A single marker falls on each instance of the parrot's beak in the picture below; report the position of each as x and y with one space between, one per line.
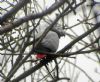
64 33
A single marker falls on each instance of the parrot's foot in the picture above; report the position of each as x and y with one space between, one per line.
47 59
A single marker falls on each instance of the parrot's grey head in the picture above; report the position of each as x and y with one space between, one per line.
59 31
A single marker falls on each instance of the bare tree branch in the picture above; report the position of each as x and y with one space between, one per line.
14 10
67 47
20 21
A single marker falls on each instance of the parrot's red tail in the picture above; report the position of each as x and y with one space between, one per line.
40 56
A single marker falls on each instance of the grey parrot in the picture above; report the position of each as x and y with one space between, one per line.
51 42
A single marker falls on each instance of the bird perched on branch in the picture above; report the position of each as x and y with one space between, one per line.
51 42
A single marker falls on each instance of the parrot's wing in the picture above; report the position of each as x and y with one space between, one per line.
51 41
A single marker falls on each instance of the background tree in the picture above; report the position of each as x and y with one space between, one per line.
22 20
